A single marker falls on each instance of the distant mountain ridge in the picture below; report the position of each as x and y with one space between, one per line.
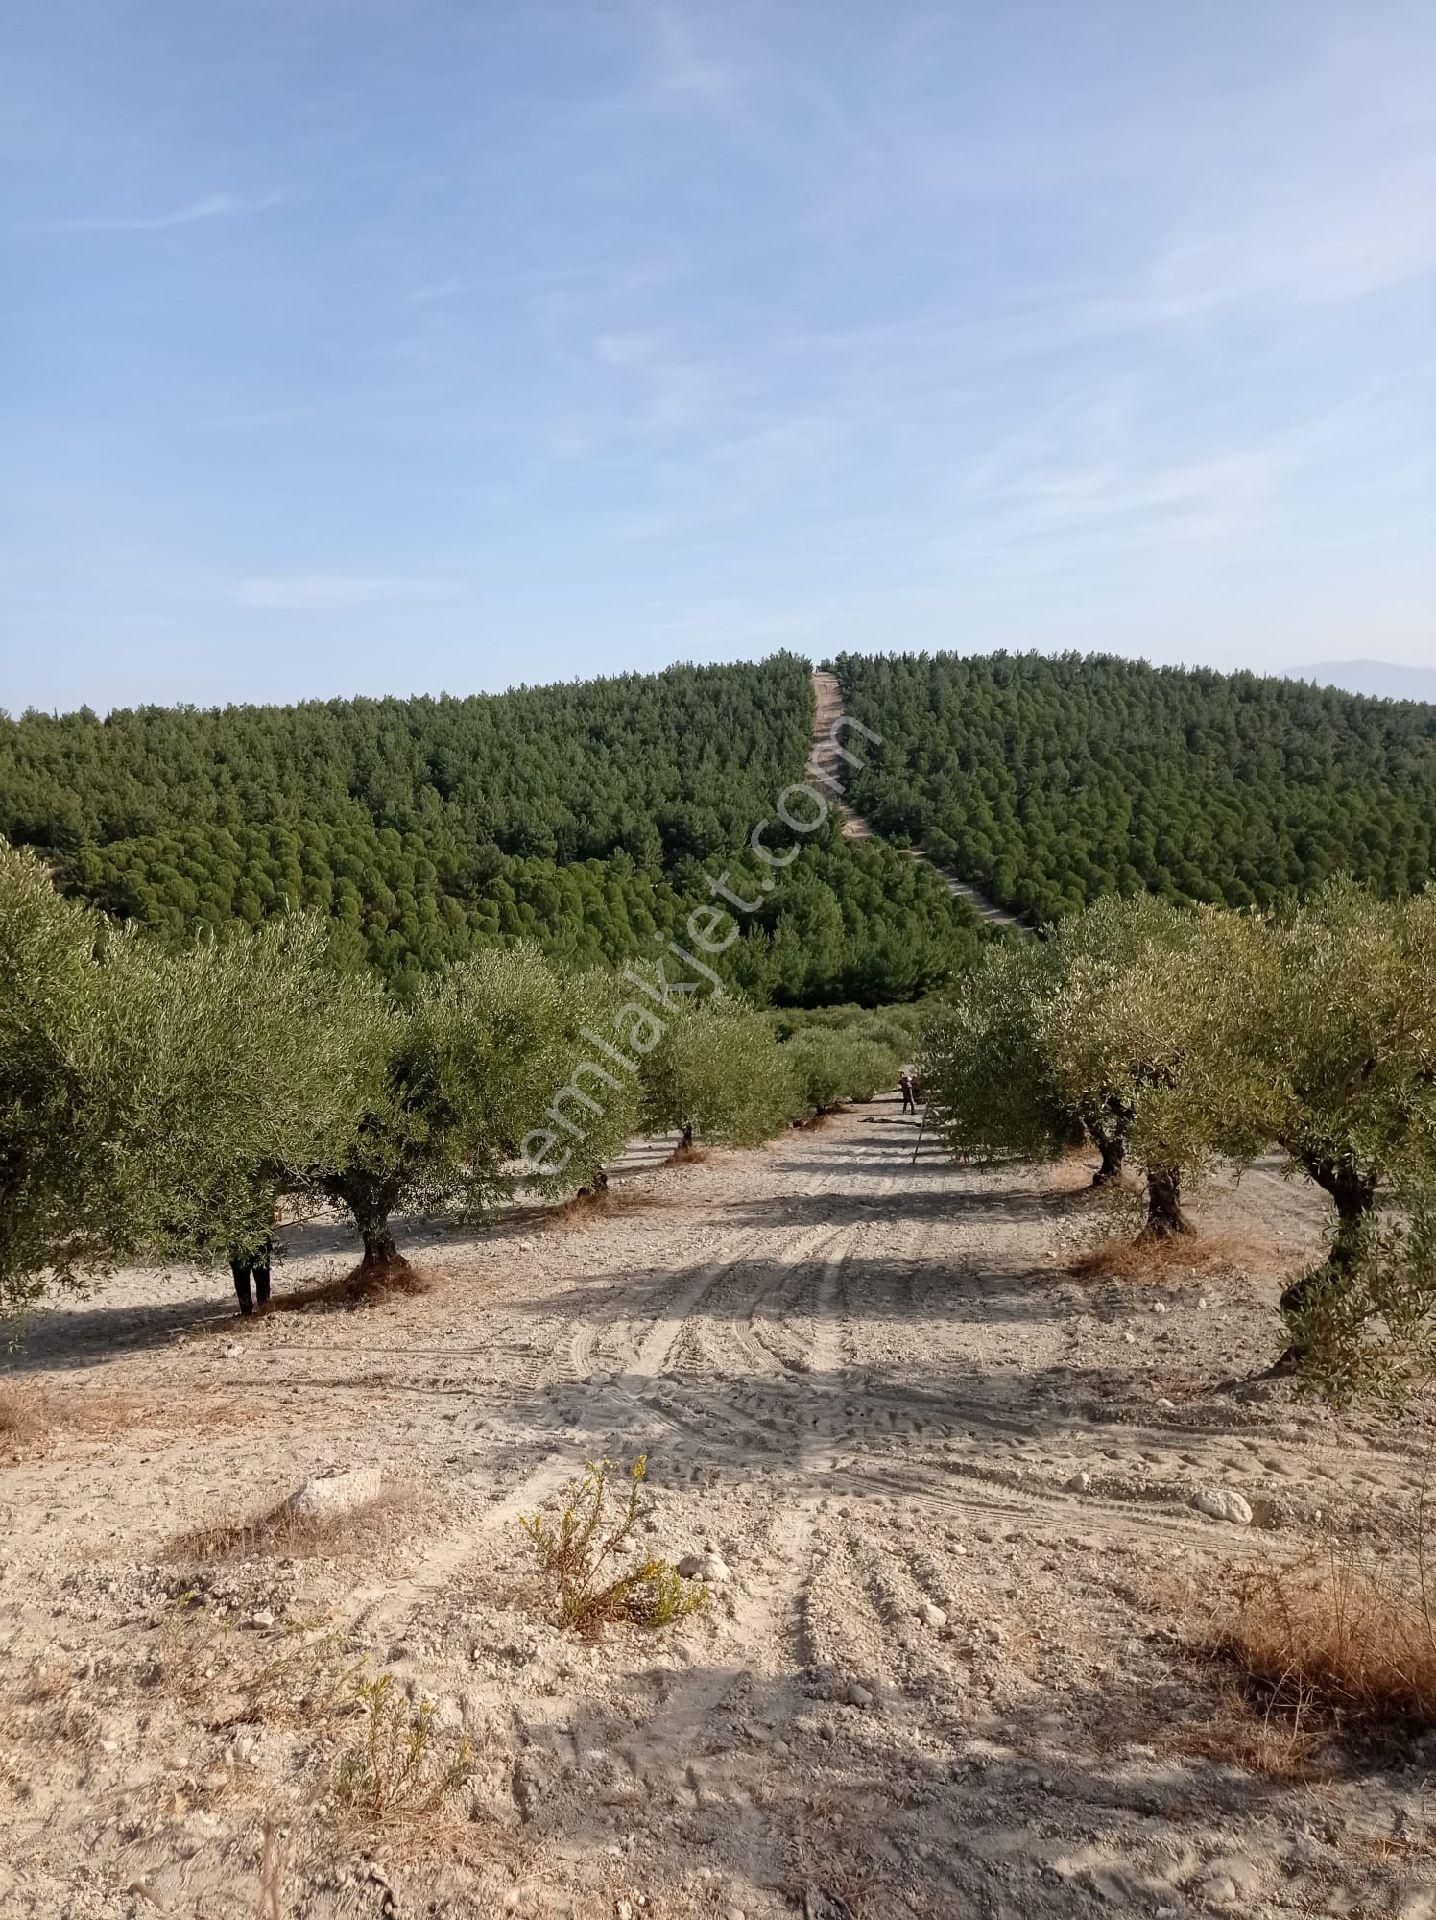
1379 678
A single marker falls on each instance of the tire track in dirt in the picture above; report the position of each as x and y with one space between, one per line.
961 1480
779 1614
604 1403
749 1367
763 1607
381 1611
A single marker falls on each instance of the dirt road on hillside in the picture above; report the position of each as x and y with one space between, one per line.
827 714
952 1486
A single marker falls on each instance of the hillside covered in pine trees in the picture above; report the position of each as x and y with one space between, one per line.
588 817
591 817
1049 782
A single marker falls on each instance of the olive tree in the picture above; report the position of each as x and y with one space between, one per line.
829 1066
489 1078
1329 1050
153 1103
1119 1026
1096 1028
248 1073
990 1094
60 1192
716 1071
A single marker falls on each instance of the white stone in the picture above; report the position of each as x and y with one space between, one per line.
705 1566
337 1492
1222 1503
930 1615
264 1618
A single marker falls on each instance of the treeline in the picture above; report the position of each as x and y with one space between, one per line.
842 1053
591 819
1049 782
586 819
161 1104
1174 1038
662 765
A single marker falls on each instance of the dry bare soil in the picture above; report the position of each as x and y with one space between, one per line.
952 1484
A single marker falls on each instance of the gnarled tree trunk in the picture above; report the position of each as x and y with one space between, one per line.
379 1248
1107 1124
1165 1219
1353 1194
1113 1149
370 1201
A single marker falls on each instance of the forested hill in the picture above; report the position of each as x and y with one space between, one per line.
661 764
581 815
1049 781
590 816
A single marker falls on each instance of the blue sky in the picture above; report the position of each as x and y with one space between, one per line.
396 346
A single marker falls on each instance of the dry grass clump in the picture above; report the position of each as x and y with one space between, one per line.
585 1209
282 1534
1330 1644
1171 1261
43 1707
1070 1176
685 1154
305 1676
361 1287
25 1419
32 1420
1279 1745
832 1872
578 1559
388 1759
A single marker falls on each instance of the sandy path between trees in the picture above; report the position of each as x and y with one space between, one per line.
870 1384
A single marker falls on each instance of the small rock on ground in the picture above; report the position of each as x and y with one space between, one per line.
1223 1503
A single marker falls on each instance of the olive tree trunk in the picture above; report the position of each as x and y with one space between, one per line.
1353 1194
1165 1219
371 1202
1113 1149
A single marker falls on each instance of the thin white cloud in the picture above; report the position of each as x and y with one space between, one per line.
1321 251
336 592
211 206
684 67
676 393
1198 501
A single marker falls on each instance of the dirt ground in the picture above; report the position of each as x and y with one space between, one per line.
951 1483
